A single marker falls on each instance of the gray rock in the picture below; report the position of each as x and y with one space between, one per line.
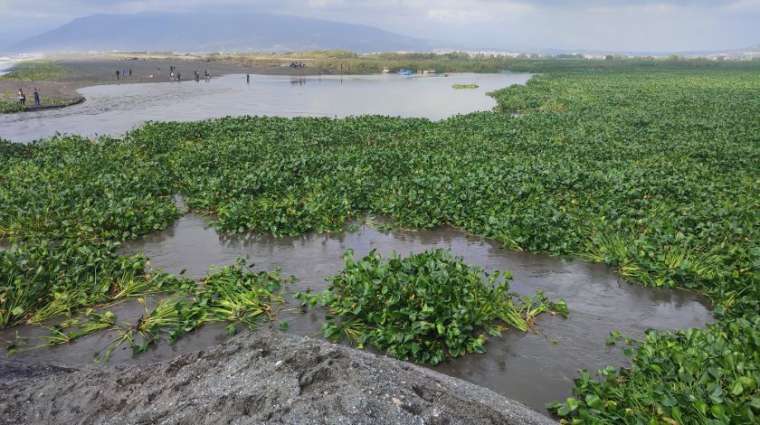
260 378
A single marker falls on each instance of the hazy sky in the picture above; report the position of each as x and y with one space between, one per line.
623 25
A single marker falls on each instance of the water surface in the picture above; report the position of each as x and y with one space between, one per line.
536 367
115 109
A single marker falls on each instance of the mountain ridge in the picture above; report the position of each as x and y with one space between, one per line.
214 31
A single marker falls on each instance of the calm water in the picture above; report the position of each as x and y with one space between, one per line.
535 368
115 109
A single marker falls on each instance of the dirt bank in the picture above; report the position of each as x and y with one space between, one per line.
54 94
266 377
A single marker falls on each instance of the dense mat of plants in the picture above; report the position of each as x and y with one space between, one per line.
426 307
655 170
692 376
64 206
45 279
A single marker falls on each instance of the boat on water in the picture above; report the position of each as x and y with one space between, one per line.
406 72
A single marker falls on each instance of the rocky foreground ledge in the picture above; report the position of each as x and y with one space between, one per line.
260 378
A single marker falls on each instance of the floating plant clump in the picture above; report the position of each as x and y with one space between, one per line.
426 307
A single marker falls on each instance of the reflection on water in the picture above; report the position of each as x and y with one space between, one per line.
535 368
115 109
300 81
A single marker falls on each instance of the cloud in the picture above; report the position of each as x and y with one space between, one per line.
593 24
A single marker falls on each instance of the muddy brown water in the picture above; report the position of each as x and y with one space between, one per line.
535 368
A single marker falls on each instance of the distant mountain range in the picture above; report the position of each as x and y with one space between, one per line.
213 31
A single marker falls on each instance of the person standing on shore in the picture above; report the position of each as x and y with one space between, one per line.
118 75
130 72
248 78
37 97
21 97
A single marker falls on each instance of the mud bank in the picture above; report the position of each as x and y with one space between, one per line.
67 103
265 377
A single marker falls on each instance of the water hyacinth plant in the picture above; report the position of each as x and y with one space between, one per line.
230 294
47 279
695 376
469 86
426 307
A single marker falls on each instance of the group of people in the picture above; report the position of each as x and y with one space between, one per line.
206 75
22 97
123 73
174 75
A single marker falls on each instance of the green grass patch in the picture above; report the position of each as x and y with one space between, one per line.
9 107
39 70
338 61
12 106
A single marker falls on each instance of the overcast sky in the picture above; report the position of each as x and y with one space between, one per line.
618 25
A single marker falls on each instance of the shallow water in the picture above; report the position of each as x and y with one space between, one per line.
535 368
5 64
115 109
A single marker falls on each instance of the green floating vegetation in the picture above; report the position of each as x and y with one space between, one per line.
46 279
72 329
426 307
649 166
695 376
465 86
231 294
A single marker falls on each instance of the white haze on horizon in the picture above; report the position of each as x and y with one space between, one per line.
603 25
